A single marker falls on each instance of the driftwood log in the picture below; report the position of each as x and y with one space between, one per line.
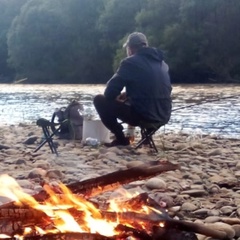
94 186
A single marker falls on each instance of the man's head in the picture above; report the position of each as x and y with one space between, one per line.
135 41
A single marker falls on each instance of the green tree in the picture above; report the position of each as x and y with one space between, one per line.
155 17
183 40
116 21
57 41
221 49
8 10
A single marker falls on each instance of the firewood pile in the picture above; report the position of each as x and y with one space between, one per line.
72 212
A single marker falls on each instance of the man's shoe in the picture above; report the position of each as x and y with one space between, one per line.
117 142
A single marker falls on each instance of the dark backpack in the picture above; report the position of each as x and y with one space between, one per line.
71 121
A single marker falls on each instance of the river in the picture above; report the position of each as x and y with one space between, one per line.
197 109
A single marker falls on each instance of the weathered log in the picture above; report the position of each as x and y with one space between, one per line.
155 219
197 228
92 187
95 186
181 225
172 234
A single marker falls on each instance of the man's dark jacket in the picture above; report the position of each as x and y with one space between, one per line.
147 83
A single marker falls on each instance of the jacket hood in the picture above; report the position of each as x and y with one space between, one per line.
152 53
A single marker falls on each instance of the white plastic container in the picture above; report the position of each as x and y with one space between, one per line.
94 128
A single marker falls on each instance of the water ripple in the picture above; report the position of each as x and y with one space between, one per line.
27 103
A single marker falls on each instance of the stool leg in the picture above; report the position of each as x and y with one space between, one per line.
147 137
144 138
151 142
49 140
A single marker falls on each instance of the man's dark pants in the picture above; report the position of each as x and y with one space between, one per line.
111 110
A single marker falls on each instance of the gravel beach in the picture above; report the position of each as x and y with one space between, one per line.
206 188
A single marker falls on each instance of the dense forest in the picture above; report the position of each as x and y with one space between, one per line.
80 41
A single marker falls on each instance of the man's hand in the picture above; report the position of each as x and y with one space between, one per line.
122 97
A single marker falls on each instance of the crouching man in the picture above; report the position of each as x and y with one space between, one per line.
144 75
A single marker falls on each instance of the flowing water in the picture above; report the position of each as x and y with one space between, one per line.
197 109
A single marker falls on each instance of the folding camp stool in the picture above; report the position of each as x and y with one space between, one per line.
147 132
46 125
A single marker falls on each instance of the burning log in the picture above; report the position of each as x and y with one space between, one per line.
66 236
168 223
129 231
94 186
17 213
16 225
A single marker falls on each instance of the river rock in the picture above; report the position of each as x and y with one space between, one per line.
236 228
187 206
31 140
37 173
156 183
230 233
3 147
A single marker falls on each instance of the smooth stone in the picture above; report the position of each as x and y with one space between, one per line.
237 174
238 212
212 219
226 210
214 188
134 164
2 146
201 212
53 173
156 183
197 187
42 164
236 228
220 226
37 173
230 220
21 161
30 140
187 206
238 165
221 203
213 212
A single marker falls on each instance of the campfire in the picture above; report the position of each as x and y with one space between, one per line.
73 211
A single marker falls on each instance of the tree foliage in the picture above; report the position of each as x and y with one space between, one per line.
8 10
80 41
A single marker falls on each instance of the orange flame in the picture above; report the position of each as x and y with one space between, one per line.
58 208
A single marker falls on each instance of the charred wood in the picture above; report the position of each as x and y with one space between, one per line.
66 236
20 213
129 231
94 186
15 226
168 223
172 234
